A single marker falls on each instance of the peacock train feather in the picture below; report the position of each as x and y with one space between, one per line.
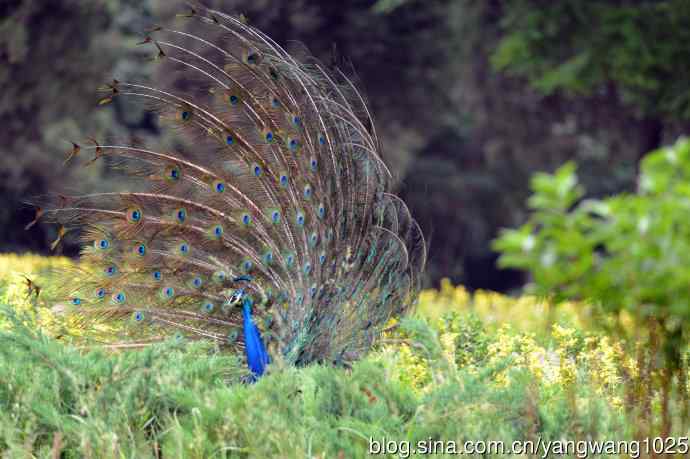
276 230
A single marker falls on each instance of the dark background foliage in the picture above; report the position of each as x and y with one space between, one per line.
470 99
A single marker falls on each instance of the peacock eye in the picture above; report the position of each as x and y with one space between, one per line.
233 99
119 297
134 214
180 215
257 170
275 216
246 219
296 120
138 316
173 173
157 275
269 136
208 306
111 270
100 292
229 140
168 292
218 230
184 248
247 265
219 186
300 219
322 139
141 249
268 257
283 181
322 258
102 244
219 277
76 301
307 268
197 282
307 191
293 144
313 164
186 115
321 211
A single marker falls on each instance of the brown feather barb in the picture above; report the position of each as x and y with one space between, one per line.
280 191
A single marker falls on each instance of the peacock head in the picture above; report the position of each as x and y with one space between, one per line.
239 296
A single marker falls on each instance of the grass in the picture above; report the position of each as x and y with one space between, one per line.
455 371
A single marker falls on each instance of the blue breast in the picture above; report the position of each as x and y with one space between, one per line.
257 357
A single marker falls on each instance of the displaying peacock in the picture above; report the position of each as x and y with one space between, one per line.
275 233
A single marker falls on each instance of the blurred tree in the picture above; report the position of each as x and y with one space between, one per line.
53 56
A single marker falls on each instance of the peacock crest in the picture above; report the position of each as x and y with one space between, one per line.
276 230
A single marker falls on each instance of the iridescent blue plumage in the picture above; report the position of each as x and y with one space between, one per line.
255 350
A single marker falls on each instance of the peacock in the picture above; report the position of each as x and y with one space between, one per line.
275 233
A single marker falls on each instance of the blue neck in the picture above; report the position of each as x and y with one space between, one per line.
257 357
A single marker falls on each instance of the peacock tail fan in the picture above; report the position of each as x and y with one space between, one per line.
283 196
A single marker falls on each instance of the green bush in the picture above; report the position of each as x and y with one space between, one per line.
625 255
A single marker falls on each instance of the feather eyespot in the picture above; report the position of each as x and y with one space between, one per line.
246 219
322 258
275 216
312 291
140 249
313 239
180 215
157 275
257 170
269 137
229 140
233 99
307 268
299 219
247 266
119 297
284 181
313 164
218 186
307 191
321 210
185 115
289 260
134 214
197 282
184 248
208 307
102 244
232 336
293 144
219 277
322 139
268 257
252 57
110 270
217 231
167 292
173 173
275 103
76 301
138 316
